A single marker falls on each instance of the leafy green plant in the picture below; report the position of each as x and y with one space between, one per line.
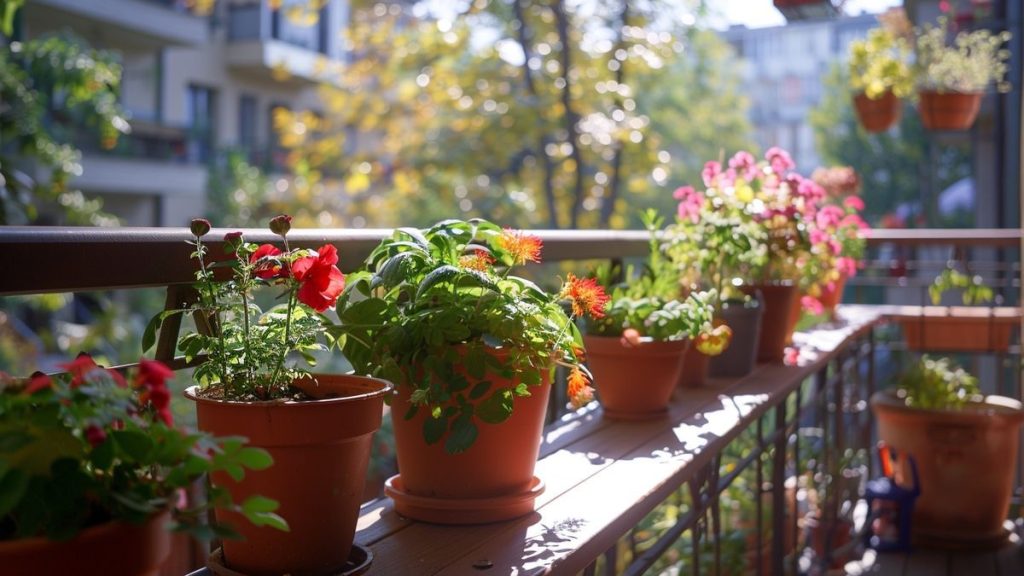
973 61
939 384
880 63
90 446
248 350
975 291
439 311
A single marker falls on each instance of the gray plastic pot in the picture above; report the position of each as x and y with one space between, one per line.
745 320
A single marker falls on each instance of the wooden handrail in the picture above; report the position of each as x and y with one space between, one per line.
69 259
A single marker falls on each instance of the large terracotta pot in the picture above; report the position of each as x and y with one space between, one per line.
696 368
948 110
966 461
880 114
777 323
634 382
745 320
491 481
321 449
110 549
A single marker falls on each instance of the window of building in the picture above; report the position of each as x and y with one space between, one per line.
247 122
201 113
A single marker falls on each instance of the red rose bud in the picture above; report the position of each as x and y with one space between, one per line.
232 240
280 225
199 227
95 435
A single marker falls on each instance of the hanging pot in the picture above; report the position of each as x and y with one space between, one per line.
879 114
948 110
634 382
777 323
321 449
491 481
110 549
745 320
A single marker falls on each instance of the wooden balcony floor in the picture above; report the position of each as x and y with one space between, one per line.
1006 561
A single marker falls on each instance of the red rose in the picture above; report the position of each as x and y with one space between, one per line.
78 368
152 377
280 225
95 435
320 281
269 268
38 381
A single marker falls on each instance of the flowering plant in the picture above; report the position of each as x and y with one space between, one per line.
838 231
248 350
91 446
653 306
880 63
973 60
437 307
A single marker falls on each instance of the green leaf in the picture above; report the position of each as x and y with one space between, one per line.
254 458
268 519
529 377
12 487
434 428
415 235
476 365
464 433
255 504
149 334
442 274
137 445
479 390
102 456
393 271
497 407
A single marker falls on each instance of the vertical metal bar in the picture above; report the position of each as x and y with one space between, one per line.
795 531
778 488
695 530
611 560
871 391
716 517
758 493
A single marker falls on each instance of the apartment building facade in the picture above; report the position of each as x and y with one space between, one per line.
192 86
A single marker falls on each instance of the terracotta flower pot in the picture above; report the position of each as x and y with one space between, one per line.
321 449
777 323
880 114
948 110
110 549
956 334
739 358
966 461
696 368
634 382
831 297
491 481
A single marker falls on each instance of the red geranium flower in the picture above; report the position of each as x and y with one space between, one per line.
266 266
320 281
152 377
78 368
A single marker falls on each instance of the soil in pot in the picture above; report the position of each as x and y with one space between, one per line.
776 324
948 110
880 114
110 549
321 450
966 461
634 382
738 359
491 481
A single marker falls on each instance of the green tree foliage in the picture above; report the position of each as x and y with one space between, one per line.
529 112
50 88
905 165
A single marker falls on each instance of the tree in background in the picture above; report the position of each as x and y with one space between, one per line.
529 112
898 168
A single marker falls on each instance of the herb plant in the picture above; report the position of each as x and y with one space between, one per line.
250 353
90 446
439 311
933 384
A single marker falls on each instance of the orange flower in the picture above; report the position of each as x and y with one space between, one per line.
523 247
479 260
586 295
580 392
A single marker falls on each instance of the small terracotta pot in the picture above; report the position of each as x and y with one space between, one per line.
966 461
739 358
110 549
777 323
831 297
321 449
880 114
493 480
696 368
948 110
634 382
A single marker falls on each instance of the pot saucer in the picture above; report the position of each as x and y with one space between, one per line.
359 560
634 416
462 510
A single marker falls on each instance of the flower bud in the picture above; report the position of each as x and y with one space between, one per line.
232 240
200 226
280 225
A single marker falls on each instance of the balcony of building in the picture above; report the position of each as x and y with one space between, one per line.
119 24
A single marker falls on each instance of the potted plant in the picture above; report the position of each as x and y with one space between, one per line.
952 77
636 351
880 75
709 245
317 427
839 236
472 348
92 468
964 445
